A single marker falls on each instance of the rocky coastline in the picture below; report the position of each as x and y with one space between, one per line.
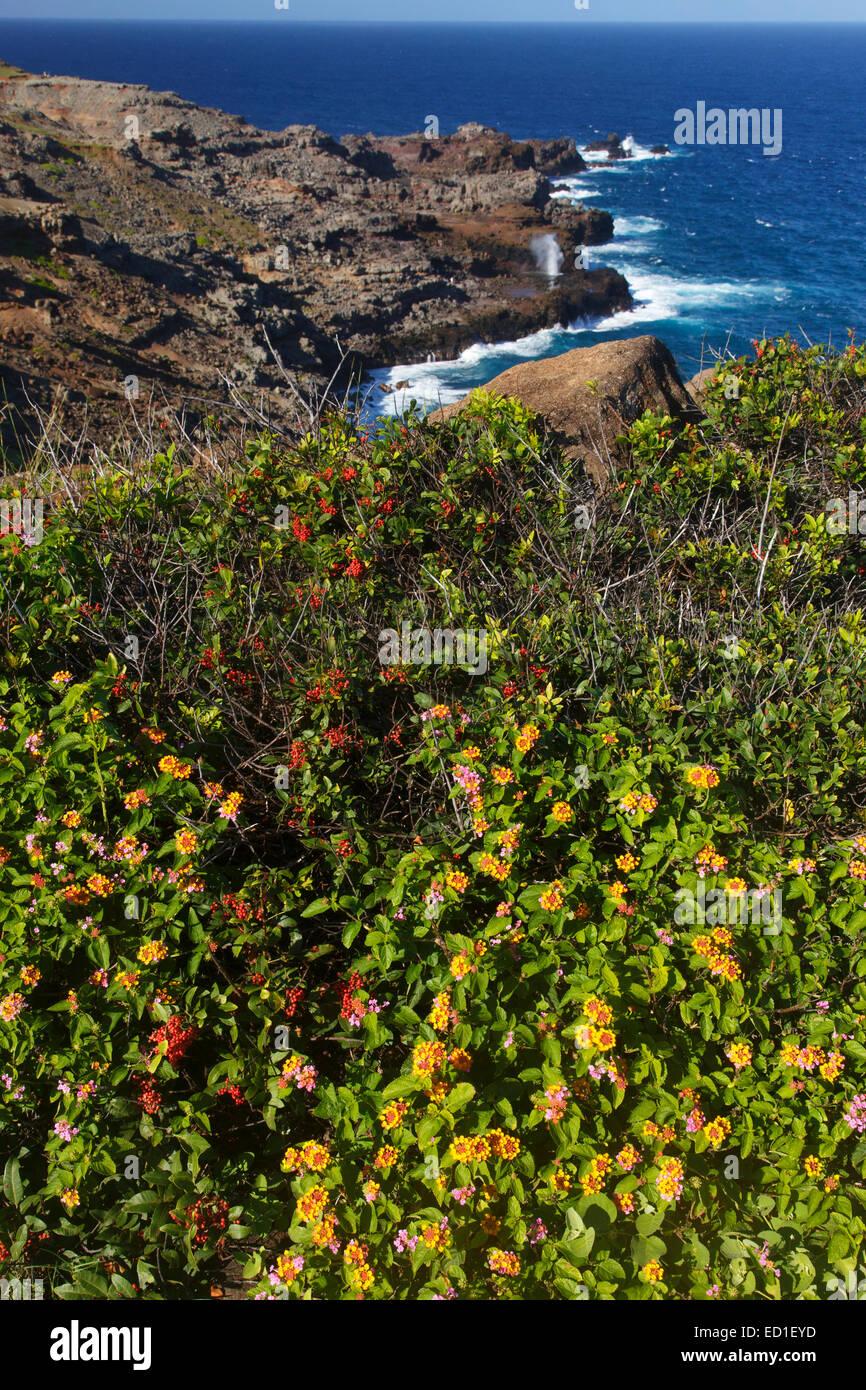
150 248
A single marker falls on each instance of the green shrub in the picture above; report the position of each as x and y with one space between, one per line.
395 980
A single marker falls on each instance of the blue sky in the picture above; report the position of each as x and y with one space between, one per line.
599 11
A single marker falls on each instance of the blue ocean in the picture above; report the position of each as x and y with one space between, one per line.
720 243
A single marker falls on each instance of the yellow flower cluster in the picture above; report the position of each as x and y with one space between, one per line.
99 884
457 880
708 858
393 1113
740 1054
173 765
593 1180
229 807
311 1155
703 776
71 819
504 1262
813 1166
386 1157
186 841
133 800
127 978
626 862
652 1273
719 963
311 1204
628 1157
152 951
471 1148
494 868
809 1057
528 735
359 1273
502 775
717 1131
427 1058
440 1013
633 802
552 898
562 812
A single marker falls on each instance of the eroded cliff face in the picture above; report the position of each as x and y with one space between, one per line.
144 237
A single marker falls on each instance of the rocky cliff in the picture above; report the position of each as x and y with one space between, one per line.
148 245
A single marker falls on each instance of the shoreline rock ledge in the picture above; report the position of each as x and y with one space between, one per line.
589 395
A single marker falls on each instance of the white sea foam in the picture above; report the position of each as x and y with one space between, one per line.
637 152
658 299
636 226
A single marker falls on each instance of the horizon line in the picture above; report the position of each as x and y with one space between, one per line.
457 23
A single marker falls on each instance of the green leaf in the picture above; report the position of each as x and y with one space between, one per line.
315 909
459 1096
403 1086
13 1188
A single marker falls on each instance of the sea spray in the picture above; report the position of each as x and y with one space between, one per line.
547 254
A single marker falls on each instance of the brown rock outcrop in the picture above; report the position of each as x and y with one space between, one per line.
590 395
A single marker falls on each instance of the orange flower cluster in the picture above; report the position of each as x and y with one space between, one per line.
504 1262
131 801
311 1204
359 1273
393 1113
703 776
708 858
528 735
718 961
456 880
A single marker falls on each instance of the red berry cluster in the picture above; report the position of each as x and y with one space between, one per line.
235 1092
176 1036
206 1215
149 1097
297 754
347 991
293 999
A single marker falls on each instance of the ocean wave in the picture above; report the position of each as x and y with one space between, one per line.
660 298
638 152
636 226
